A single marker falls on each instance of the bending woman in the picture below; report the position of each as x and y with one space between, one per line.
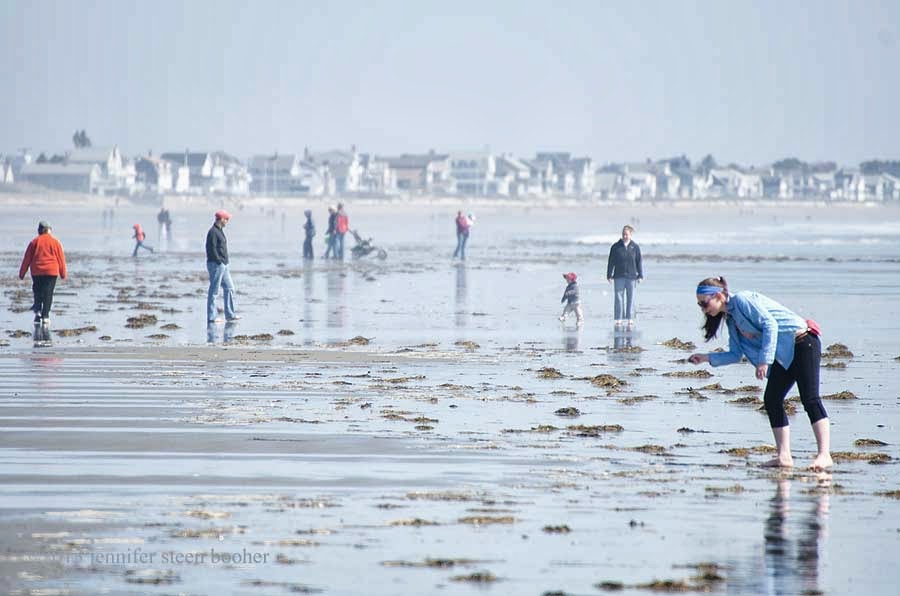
782 346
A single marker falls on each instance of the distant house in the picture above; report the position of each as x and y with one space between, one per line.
343 169
572 176
60 176
639 181
377 177
154 174
192 170
542 175
276 174
421 173
109 159
515 176
607 183
473 172
229 174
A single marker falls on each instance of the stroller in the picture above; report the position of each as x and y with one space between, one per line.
364 247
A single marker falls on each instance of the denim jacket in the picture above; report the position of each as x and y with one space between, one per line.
760 329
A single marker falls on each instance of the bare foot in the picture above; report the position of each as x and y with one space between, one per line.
779 462
822 461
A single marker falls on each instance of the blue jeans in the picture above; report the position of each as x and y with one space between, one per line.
219 276
624 300
339 246
461 239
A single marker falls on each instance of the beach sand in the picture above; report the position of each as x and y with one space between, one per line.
418 426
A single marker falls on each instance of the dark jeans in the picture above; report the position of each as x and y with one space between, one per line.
804 371
308 248
140 244
43 286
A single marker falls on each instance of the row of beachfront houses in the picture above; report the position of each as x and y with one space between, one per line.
468 174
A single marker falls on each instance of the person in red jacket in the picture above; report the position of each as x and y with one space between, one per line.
139 237
47 261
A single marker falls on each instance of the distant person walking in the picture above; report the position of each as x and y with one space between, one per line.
330 234
309 231
341 226
47 261
782 346
139 237
463 223
624 269
571 299
217 266
164 219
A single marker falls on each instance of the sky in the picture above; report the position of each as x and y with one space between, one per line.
746 81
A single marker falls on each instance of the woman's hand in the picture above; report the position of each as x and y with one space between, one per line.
698 358
761 370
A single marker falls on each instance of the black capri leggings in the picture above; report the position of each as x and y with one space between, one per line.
804 371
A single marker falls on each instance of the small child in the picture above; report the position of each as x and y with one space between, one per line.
139 237
572 300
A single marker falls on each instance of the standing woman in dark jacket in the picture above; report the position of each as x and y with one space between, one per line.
625 270
309 230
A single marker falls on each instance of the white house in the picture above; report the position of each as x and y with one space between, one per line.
516 176
6 173
61 176
343 169
473 172
154 174
639 181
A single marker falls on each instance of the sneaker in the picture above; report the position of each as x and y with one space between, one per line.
234 318
217 320
45 322
37 318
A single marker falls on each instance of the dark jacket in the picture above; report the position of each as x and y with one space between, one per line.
625 262
216 246
571 293
332 222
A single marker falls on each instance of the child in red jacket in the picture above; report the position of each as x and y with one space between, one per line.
139 237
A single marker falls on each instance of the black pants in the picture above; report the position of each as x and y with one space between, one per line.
804 371
43 286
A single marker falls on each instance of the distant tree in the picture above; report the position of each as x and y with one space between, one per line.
708 163
790 164
80 139
42 158
875 167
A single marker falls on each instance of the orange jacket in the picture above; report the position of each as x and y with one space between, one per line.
45 256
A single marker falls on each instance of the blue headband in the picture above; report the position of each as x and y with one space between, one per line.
704 290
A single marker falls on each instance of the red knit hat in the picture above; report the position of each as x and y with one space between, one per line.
222 214
570 277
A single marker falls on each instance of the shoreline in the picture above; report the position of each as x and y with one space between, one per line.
64 200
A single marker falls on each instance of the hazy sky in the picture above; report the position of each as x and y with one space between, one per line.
746 81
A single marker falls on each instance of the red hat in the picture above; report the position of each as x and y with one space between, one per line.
222 214
570 277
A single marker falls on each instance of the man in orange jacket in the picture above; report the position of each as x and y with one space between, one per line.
47 261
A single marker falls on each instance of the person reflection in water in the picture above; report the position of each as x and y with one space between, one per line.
792 563
461 296
212 332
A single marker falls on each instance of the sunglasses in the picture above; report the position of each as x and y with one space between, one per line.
703 303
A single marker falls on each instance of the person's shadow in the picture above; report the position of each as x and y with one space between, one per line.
792 549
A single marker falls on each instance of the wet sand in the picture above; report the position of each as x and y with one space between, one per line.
416 475
418 426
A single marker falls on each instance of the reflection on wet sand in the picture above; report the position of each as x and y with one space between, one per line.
461 296
570 339
307 298
792 550
212 332
336 299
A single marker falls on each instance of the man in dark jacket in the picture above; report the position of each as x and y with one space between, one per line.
331 233
217 266
625 270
